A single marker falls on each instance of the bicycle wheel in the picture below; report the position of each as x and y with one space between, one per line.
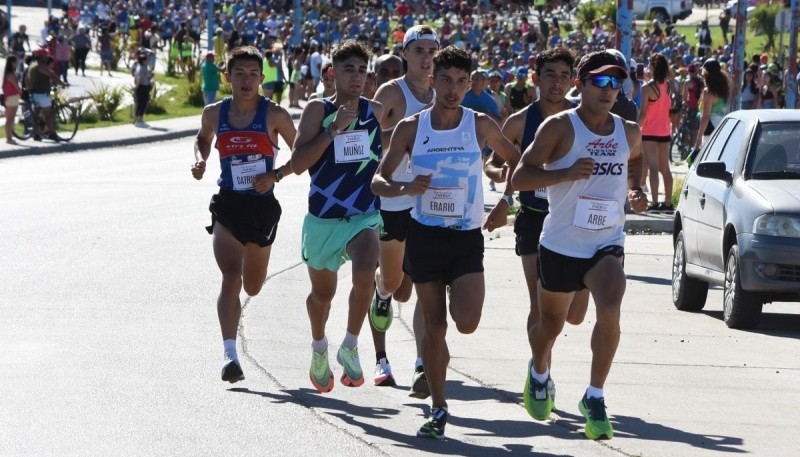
23 124
66 120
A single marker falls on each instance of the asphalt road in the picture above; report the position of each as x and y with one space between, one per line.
110 343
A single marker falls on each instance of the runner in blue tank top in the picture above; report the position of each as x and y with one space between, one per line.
245 213
444 246
589 160
339 143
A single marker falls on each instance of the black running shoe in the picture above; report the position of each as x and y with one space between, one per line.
419 384
232 372
434 426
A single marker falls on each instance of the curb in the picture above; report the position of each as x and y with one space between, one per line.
109 143
646 223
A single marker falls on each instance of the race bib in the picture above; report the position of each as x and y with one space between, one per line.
351 146
595 213
444 202
541 193
243 173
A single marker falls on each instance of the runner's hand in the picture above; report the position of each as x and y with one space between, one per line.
418 186
198 169
581 169
263 183
637 199
497 218
346 115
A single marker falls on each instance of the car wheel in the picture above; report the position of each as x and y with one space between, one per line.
688 294
741 309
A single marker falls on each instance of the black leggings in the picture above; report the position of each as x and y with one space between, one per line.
142 97
80 60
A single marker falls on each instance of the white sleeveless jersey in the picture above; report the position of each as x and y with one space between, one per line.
589 214
455 196
403 171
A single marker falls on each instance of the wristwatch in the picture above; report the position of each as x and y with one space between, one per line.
278 175
508 199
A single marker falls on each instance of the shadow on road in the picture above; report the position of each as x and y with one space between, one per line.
457 390
650 280
311 399
634 427
772 324
448 446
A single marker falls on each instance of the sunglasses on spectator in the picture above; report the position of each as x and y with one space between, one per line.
603 81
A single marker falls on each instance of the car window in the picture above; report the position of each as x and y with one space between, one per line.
714 150
733 146
776 151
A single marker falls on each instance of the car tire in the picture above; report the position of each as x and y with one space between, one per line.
741 309
688 294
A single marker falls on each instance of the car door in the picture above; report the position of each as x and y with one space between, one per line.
714 196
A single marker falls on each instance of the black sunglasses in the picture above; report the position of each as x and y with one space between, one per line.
603 81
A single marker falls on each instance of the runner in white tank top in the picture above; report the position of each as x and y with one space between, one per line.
445 244
582 156
402 97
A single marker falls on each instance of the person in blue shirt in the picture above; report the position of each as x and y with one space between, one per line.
477 99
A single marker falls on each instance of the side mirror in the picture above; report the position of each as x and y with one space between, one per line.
714 170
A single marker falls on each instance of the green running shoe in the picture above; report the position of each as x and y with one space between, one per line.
434 426
348 358
597 423
320 373
380 313
538 397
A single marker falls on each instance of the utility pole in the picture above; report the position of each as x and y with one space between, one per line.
297 23
211 27
794 22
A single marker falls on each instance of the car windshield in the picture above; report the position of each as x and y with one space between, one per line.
776 153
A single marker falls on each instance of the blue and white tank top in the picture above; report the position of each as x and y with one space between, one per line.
341 178
403 171
455 196
533 199
589 214
244 153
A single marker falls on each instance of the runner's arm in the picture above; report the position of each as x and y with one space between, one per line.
310 142
284 127
389 96
636 197
202 142
400 144
550 143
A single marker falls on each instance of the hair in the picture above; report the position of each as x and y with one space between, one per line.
553 55
385 58
451 57
659 67
11 65
752 84
351 48
243 54
717 82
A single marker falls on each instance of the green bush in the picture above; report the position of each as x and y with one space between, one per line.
158 100
107 101
89 116
587 13
194 93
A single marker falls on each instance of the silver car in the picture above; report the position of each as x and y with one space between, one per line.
737 224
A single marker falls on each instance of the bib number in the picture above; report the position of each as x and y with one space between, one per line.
243 173
541 193
595 213
444 202
352 146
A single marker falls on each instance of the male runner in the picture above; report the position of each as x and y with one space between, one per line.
445 244
585 153
401 97
339 143
553 76
245 213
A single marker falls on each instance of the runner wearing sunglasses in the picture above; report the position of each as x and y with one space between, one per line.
583 156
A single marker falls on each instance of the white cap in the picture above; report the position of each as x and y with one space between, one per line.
414 34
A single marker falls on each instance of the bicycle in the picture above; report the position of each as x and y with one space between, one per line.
65 117
682 141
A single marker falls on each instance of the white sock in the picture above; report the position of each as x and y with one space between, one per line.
320 346
230 349
381 295
350 341
594 392
540 378
418 363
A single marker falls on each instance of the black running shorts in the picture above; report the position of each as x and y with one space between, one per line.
395 224
561 273
251 218
528 229
442 254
